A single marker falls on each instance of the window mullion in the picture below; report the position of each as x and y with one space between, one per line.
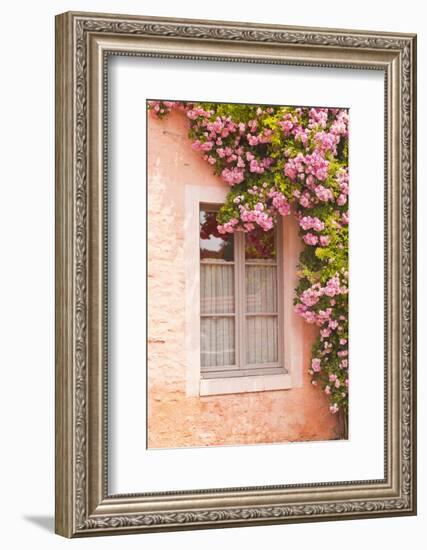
237 343
280 293
241 297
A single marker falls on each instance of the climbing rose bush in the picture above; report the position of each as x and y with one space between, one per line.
278 160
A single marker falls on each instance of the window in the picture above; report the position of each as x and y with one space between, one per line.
241 318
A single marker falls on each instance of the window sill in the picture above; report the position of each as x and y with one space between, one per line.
221 386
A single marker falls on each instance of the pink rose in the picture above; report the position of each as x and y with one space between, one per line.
324 240
310 239
342 199
315 365
333 324
344 364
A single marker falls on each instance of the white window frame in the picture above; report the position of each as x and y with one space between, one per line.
241 367
290 355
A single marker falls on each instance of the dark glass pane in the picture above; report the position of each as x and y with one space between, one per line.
213 245
260 245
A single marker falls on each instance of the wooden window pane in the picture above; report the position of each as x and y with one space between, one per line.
217 341
239 300
216 288
212 244
261 339
261 289
260 245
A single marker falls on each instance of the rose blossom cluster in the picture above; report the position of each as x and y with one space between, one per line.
248 220
312 295
279 202
311 167
265 205
259 214
292 126
232 175
232 146
308 223
323 306
300 166
342 180
163 108
310 170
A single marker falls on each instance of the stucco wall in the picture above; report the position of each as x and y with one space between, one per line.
175 420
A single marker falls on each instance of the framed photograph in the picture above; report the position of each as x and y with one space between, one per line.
235 274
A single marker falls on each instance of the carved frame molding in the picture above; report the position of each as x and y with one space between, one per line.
83 44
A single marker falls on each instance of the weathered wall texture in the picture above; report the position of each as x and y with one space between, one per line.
174 420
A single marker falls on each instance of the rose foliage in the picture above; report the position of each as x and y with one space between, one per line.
278 160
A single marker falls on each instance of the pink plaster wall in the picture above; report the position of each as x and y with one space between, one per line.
175 420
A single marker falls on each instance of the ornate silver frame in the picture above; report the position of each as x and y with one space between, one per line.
83 43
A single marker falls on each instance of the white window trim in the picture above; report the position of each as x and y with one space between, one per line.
293 349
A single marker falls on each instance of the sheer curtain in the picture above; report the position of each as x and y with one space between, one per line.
261 314
218 318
